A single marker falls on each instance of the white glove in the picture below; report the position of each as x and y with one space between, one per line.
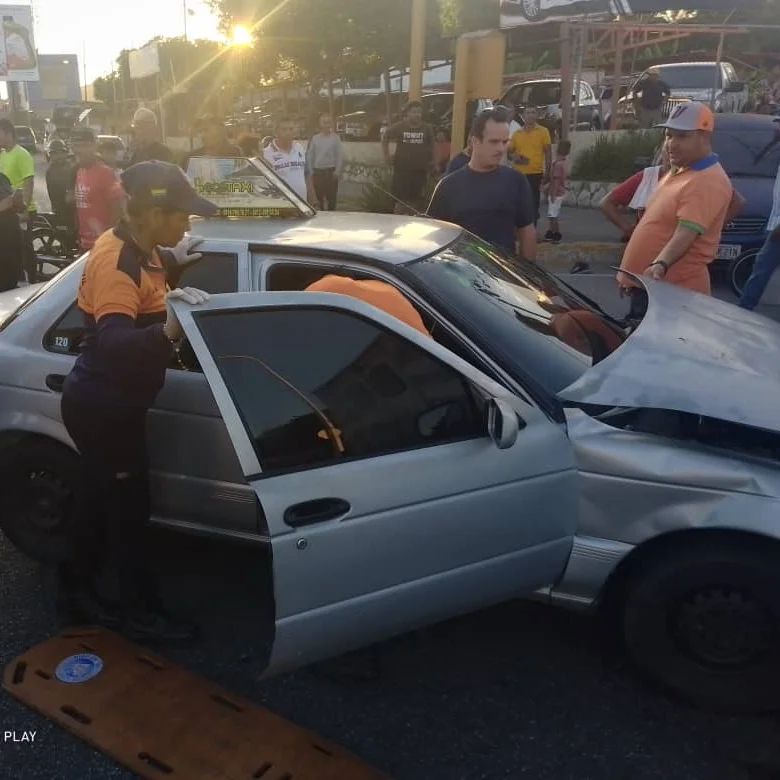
172 328
184 252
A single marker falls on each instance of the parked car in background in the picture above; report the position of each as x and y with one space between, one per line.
749 149
25 137
707 82
438 107
367 121
545 96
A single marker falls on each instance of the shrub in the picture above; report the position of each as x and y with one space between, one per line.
613 158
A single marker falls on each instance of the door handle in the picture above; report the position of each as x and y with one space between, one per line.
55 382
317 511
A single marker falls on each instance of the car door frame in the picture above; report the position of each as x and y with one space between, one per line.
313 632
262 260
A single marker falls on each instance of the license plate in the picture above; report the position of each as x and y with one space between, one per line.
728 252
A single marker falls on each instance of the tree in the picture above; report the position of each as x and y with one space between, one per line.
462 16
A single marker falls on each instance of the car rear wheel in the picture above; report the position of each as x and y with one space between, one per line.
704 622
38 479
740 270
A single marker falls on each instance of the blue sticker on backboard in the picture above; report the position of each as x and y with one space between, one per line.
79 668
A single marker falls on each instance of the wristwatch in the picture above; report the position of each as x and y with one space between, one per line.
661 262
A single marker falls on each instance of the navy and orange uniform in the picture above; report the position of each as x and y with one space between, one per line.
124 353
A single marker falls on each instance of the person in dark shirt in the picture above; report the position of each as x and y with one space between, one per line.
413 159
146 144
650 97
485 197
60 184
131 331
460 160
215 140
10 235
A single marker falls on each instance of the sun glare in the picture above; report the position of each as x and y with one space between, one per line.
241 36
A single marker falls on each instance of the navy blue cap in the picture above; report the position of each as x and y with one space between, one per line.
163 184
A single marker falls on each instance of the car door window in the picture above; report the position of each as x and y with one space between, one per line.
298 276
216 272
315 386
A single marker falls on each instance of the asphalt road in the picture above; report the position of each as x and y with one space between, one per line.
520 690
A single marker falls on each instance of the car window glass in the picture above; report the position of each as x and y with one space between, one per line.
214 273
298 276
752 149
318 386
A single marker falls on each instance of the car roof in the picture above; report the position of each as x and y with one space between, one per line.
383 238
682 64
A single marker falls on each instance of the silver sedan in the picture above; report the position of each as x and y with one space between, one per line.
527 446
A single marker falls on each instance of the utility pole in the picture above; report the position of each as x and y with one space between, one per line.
184 8
84 66
417 48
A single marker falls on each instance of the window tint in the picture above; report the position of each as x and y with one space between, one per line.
215 273
65 336
315 386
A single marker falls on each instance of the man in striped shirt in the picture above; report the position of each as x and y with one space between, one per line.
768 258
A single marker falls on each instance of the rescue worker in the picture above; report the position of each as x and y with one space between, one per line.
131 331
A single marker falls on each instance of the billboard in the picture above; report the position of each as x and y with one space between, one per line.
144 62
18 57
518 12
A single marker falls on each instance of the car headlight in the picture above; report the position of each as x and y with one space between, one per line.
718 105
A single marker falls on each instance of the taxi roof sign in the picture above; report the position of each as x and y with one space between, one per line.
244 188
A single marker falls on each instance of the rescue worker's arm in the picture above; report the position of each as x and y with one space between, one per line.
176 260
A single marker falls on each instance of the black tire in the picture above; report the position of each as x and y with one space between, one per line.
38 478
703 621
740 270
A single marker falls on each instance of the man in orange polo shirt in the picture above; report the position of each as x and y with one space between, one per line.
676 239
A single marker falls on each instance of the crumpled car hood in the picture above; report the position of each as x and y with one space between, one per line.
692 353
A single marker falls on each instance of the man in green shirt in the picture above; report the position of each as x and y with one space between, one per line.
18 165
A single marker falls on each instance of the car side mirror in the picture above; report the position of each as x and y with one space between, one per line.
503 423
734 86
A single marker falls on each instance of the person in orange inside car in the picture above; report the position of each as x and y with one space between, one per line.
379 294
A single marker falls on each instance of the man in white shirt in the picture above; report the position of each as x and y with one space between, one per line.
286 156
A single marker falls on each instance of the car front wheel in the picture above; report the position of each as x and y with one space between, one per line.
38 479
703 621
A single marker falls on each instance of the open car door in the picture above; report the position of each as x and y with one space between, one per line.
399 485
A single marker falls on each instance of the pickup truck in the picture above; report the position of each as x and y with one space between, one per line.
703 81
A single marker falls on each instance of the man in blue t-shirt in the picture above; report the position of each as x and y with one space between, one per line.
485 197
